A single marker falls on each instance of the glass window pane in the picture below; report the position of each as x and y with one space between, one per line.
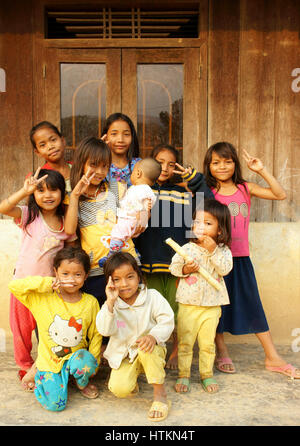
160 106
83 101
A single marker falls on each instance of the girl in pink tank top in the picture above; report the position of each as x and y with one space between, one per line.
245 314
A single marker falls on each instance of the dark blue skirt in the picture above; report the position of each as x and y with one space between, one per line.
245 313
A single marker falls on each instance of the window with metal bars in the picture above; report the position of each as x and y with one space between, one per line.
134 23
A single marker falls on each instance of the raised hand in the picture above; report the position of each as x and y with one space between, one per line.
83 184
31 183
112 293
182 170
207 242
254 164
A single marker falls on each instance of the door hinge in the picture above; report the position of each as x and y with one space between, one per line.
44 71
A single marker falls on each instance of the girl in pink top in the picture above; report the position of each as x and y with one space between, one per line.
42 225
245 314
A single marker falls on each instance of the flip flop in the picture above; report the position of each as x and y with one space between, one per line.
284 370
220 362
158 406
184 382
207 382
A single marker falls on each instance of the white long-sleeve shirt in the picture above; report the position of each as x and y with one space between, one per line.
150 314
193 289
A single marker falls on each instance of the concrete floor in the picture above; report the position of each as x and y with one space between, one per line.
251 397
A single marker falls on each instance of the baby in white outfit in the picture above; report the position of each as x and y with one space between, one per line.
135 205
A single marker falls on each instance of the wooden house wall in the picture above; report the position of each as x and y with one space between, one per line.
252 49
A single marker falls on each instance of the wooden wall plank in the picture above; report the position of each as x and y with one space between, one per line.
16 102
223 72
287 118
257 91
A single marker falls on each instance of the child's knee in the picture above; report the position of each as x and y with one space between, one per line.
121 388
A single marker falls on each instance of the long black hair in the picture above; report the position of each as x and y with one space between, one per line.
134 148
54 181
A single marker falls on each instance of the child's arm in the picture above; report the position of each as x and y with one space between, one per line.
24 288
195 180
71 217
221 259
163 314
105 320
95 339
180 268
9 205
274 192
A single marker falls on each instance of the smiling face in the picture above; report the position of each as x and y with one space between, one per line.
119 137
49 145
99 169
126 280
221 168
73 274
46 198
167 161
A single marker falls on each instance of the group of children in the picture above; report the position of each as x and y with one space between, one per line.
93 263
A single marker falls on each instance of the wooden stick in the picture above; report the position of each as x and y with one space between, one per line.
177 248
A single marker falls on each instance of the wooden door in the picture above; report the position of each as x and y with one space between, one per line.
162 90
76 89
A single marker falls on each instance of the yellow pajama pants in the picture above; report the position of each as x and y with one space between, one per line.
199 323
123 380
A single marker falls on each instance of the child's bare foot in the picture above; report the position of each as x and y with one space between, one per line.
90 391
172 362
160 407
280 366
28 379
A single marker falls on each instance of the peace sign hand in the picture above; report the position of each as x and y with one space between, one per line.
182 170
31 183
254 164
83 184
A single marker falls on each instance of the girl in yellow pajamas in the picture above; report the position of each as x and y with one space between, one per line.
199 302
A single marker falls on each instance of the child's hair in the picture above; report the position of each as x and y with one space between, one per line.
221 212
134 149
118 259
54 181
39 126
74 254
151 168
227 151
160 147
90 148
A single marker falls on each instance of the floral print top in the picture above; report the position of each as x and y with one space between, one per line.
122 174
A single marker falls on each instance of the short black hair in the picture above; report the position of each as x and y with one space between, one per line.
42 125
75 254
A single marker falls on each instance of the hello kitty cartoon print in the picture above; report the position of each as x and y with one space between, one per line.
66 334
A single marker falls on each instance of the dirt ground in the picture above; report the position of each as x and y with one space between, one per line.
251 397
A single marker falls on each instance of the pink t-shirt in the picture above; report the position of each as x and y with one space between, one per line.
39 245
239 206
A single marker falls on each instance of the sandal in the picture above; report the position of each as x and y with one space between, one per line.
220 362
90 391
208 382
158 406
183 382
286 369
